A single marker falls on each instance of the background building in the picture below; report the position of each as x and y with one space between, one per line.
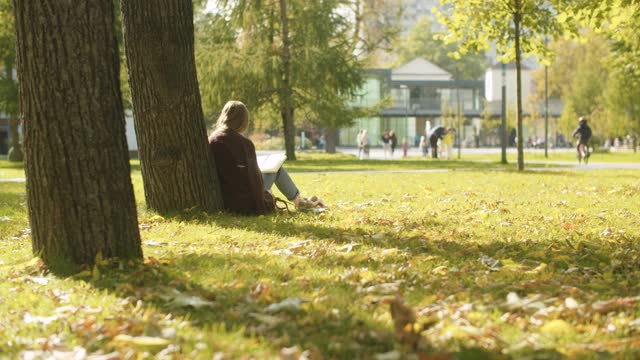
421 96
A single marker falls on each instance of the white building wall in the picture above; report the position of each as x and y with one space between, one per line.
493 85
420 77
131 133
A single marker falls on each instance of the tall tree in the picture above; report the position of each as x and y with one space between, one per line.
80 196
421 42
623 87
517 27
177 171
9 102
377 24
241 55
286 93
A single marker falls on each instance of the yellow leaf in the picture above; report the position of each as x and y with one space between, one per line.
156 218
147 343
540 268
557 329
440 270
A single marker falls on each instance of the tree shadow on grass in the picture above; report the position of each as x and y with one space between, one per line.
296 224
236 290
5 164
243 303
248 302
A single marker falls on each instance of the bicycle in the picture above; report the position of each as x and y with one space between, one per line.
583 153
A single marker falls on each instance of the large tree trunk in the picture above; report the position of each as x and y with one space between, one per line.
177 170
517 19
80 196
332 140
286 93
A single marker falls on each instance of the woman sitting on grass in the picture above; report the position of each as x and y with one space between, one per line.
245 189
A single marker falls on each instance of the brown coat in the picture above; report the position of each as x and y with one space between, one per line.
240 178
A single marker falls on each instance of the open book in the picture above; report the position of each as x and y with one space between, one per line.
271 163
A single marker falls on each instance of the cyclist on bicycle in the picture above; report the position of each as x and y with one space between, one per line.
583 131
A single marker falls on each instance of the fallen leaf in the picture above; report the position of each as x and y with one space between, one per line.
146 343
540 268
491 263
404 317
156 218
178 299
571 303
290 304
154 243
290 353
604 307
46 320
266 319
40 280
385 289
557 329
144 226
391 355
348 247
440 270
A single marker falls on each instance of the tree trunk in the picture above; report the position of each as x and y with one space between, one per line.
332 140
517 20
80 196
177 170
15 149
286 93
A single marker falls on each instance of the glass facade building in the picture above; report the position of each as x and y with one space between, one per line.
414 106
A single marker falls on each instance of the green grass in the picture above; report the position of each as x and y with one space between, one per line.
495 264
11 170
537 155
314 162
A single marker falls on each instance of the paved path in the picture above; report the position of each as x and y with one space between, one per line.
377 154
13 180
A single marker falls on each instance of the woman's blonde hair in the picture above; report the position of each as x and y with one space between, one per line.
234 116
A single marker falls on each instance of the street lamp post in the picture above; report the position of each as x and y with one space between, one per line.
407 105
459 132
503 124
546 108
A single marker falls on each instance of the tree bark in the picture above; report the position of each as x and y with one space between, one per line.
177 169
80 196
286 93
332 140
517 20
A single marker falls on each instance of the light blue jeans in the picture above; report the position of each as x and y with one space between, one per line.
283 182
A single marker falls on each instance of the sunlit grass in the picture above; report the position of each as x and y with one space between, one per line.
433 238
537 155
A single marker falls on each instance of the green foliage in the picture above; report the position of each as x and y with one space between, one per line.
478 273
421 42
9 102
15 154
621 104
516 28
238 53
124 75
476 24
589 80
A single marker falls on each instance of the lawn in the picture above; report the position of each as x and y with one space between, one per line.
463 264
537 155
